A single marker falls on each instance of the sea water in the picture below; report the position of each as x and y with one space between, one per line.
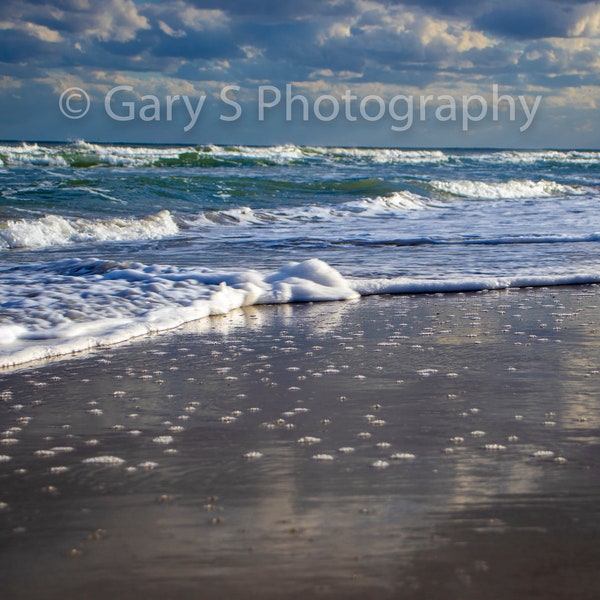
103 243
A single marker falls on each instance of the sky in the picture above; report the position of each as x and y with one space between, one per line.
429 73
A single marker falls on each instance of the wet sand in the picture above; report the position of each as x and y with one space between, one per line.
425 447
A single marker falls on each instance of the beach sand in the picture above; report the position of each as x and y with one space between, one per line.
431 447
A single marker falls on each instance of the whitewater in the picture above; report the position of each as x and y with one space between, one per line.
100 244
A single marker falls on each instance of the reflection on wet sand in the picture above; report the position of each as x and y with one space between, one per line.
414 447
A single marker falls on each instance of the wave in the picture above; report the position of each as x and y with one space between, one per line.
54 230
341 219
87 303
512 189
469 240
83 154
542 157
381 206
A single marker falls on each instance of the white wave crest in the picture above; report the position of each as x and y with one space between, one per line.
512 189
395 203
54 230
31 155
83 153
529 157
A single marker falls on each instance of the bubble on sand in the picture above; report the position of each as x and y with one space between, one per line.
62 449
543 454
323 457
253 455
308 440
164 439
58 470
11 431
494 447
9 441
148 465
5 458
44 453
106 460
380 464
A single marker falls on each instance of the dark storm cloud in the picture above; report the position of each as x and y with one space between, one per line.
15 47
527 20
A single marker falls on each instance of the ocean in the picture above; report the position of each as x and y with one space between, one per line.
100 244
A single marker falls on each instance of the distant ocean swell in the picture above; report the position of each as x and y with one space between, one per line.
84 154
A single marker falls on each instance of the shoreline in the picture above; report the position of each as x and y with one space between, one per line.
295 283
413 445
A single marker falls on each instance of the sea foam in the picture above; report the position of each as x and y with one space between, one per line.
88 303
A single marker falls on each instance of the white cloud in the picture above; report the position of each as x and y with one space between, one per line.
587 23
40 32
118 20
169 30
177 18
395 27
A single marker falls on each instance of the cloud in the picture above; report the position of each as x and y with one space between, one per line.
276 11
525 20
538 19
384 45
40 32
587 21
118 20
